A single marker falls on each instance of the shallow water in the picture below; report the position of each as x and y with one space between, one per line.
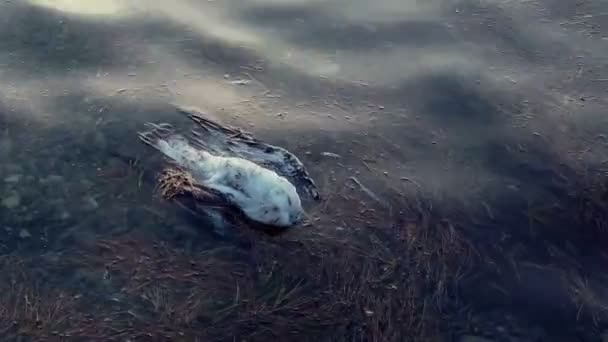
490 111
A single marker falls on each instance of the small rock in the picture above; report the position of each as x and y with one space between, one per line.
24 234
86 184
12 201
13 179
65 215
90 203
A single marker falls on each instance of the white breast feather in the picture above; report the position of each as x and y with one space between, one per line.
262 194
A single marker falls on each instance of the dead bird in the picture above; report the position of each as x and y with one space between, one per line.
261 193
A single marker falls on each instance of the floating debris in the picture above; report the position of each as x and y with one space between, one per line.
331 155
240 82
366 190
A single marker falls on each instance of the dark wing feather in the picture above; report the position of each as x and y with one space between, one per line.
234 142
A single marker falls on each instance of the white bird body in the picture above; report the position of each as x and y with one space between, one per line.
262 194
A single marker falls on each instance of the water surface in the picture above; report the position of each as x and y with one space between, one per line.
477 126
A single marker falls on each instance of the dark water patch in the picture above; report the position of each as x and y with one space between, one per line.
494 27
43 40
63 184
543 257
40 38
453 99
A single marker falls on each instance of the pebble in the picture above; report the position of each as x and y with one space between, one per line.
12 201
24 234
13 179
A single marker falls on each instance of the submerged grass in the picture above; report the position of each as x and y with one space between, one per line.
359 272
30 308
26 309
386 279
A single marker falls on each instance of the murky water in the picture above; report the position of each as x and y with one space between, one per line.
460 147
